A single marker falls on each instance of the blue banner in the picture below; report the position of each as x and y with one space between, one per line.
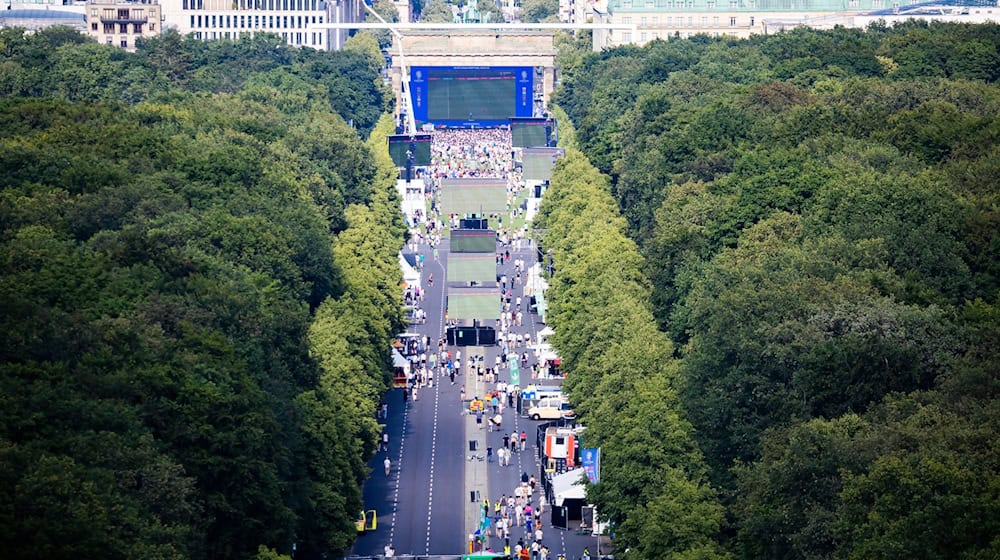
591 462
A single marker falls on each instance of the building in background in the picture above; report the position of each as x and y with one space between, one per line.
39 14
581 11
122 23
291 19
661 19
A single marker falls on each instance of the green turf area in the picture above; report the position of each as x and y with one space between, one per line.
537 167
472 267
473 303
473 196
474 241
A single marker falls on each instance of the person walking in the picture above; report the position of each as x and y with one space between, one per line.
388 466
385 441
524 441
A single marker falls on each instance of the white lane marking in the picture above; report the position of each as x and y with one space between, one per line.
434 425
399 465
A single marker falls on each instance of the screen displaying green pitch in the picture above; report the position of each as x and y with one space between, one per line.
419 144
530 133
475 98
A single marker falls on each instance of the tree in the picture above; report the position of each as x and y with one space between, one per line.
538 11
436 11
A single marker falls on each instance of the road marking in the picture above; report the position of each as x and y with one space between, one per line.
437 401
399 465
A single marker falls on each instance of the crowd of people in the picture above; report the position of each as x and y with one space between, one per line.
458 153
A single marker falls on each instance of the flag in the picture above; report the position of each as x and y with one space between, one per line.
592 464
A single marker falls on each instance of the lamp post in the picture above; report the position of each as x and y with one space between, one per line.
411 124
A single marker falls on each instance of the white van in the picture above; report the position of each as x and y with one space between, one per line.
551 408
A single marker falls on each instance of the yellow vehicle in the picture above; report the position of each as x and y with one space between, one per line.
366 521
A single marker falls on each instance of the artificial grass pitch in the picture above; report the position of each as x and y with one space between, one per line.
481 197
473 303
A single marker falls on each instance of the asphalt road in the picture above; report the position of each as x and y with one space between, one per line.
422 505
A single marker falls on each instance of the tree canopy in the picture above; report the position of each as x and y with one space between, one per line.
196 322
817 225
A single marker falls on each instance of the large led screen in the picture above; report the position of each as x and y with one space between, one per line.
471 95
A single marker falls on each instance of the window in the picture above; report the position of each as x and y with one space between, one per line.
732 4
184 5
668 21
626 3
137 28
642 37
877 4
93 12
656 35
627 20
93 26
124 43
642 20
852 3
711 5
656 20
152 27
627 37
109 40
690 21
732 22
704 21
715 21
751 21
123 28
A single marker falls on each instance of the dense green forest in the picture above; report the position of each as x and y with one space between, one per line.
199 287
810 221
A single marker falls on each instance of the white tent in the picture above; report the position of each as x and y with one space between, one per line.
410 274
399 361
569 486
546 332
544 352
